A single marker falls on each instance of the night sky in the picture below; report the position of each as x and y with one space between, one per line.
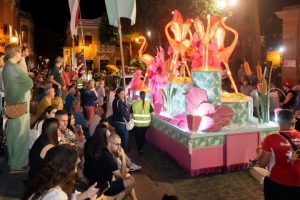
56 14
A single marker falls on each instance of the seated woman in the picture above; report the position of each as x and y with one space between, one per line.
57 103
46 101
78 133
47 140
79 118
56 177
49 112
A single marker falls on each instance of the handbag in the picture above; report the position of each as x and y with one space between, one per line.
129 125
257 172
14 111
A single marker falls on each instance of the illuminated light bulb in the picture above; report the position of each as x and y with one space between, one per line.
232 2
228 72
222 3
281 49
14 39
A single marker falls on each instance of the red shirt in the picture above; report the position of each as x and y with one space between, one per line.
284 170
66 78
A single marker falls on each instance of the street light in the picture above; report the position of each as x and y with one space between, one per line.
149 33
14 39
232 2
225 3
281 49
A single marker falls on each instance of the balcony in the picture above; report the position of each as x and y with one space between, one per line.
106 49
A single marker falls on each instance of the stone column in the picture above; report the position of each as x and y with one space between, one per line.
291 43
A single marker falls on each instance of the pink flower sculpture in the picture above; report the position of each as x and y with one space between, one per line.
203 116
136 83
157 76
180 121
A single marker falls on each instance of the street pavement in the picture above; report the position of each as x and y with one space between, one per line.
160 175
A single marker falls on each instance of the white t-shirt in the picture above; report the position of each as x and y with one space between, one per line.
24 64
95 121
57 194
101 93
109 110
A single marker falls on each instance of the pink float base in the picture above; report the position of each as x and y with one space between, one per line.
233 155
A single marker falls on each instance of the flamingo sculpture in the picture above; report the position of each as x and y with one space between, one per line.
146 58
179 44
224 53
205 36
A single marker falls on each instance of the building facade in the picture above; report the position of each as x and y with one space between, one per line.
9 21
97 56
27 35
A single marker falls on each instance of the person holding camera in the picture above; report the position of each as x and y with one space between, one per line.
284 163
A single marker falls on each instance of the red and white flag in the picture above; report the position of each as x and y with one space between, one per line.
74 10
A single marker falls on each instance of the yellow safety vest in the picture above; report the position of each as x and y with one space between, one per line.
141 116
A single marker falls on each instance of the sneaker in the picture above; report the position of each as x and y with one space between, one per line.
134 167
141 152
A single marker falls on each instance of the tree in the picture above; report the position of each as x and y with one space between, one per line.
108 35
272 30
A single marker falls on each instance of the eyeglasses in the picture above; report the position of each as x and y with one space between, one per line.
117 144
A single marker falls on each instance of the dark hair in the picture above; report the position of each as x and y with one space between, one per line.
69 126
120 89
49 132
58 59
23 49
2 54
285 117
103 120
170 197
57 169
142 96
61 112
43 116
113 86
93 145
72 86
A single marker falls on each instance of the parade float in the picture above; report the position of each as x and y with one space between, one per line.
200 127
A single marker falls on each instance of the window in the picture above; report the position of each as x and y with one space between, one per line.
24 33
118 63
88 40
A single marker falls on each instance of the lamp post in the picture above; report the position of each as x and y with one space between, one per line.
14 39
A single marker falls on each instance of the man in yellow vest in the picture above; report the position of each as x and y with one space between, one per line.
142 111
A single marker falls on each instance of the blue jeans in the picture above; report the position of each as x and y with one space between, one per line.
124 135
57 92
